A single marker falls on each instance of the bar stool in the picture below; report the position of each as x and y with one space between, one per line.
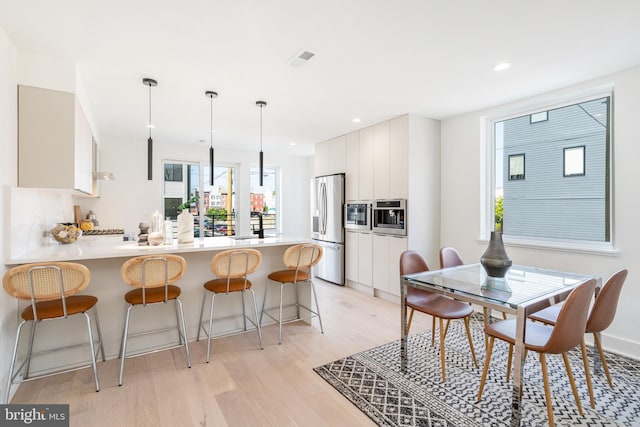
153 276
231 268
51 289
298 259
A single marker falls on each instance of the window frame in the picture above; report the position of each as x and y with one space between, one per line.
518 177
564 161
488 179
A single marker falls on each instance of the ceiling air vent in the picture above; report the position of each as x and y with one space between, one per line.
300 58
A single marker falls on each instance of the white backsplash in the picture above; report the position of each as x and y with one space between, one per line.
33 212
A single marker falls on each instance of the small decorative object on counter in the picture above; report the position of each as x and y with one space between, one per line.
86 225
144 234
185 227
66 233
92 217
168 232
155 238
157 222
495 260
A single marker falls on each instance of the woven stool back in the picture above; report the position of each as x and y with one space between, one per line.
157 270
46 280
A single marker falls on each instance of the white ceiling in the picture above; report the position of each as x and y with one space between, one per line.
374 59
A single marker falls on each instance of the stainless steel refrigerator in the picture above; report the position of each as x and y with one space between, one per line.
327 200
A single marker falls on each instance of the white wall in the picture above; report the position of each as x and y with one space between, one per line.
131 198
462 178
8 178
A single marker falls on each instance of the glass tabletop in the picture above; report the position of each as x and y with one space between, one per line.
521 285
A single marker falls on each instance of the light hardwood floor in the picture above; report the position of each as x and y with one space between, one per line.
242 385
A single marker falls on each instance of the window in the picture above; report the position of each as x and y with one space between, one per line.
264 199
218 200
568 140
574 161
516 166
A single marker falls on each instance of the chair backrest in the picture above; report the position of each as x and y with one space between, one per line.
450 257
302 256
45 281
572 320
236 263
412 262
604 307
153 271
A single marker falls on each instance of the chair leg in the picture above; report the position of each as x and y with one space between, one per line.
213 296
175 308
509 357
442 335
244 312
547 389
30 351
315 297
574 389
183 332
97 320
409 321
433 329
487 320
446 326
200 326
93 353
295 287
473 352
280 318
487 360
587 372
255 311
123 351
13 362
598 342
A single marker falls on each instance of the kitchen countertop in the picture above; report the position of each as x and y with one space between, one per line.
100 247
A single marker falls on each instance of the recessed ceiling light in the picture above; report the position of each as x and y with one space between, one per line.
292 143
501 66
356 120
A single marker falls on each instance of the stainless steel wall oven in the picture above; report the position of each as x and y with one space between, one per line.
357 215
390 217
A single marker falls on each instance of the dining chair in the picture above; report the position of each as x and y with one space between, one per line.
51 289
600 318
154 278
231 268
544 339
437 306
298 260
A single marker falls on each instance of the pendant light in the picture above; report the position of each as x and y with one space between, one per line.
261 104
150 83
211 94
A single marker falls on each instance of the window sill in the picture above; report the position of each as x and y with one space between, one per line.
560 246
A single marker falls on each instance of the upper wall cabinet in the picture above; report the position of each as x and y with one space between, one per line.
331 156
55 142
352 166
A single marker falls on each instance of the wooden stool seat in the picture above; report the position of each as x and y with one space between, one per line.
220 285
288 276
52 309
153 295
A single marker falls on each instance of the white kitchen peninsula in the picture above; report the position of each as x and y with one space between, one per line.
104 255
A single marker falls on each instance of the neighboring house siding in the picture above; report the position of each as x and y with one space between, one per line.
546 203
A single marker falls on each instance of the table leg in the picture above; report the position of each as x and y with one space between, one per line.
518 365
403 325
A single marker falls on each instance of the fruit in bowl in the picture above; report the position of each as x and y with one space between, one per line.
65 233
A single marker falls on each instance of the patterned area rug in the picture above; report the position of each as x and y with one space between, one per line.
372 380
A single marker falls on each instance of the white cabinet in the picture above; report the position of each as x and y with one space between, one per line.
399 158
365 169
386 262
381 160
330 156
352 167
54 141
358 257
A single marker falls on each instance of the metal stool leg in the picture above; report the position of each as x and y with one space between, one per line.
33 334
280 318
95 316
175 307
295 287
93 352
255 308
13 362
244 313
184 331
123 351
200 327
264 299
315 297
213 296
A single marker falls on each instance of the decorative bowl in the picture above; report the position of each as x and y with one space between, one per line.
65 233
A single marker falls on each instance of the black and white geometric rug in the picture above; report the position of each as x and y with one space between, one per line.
373 381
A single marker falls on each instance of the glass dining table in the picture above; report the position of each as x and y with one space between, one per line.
523 291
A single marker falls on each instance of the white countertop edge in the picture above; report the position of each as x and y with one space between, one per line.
99 247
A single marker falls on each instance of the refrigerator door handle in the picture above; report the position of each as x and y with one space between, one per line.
323 209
